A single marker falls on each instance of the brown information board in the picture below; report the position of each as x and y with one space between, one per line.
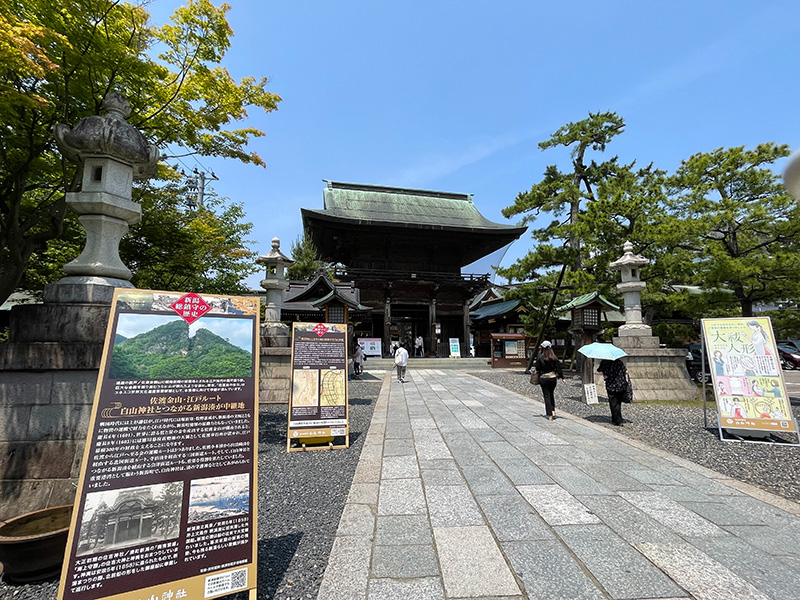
166 502
318 400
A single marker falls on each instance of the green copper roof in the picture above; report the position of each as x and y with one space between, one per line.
587 299
407 207
494 309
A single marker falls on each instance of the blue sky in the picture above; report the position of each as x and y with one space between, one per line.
455 96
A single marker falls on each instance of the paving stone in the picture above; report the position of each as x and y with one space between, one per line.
486 435
575 481
774 578
670 513
524 472
499 450
433 450
612 477
367 471
546 438
620 569
722 514
768 539
442 477
347 572
487 479
399 467
404 561
403 530
357 519
547 570
401 497
472 564
452 506
651 477
399 447
681 493
428 588
541 455
363 493
627 521
556 506
512 518
696 572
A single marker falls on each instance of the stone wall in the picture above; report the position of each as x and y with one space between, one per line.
46 395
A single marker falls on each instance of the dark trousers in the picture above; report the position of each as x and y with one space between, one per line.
615 404
548 386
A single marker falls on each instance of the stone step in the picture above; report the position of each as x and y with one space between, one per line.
430 363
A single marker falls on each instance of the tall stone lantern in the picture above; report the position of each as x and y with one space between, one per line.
111 153
631 287
273 332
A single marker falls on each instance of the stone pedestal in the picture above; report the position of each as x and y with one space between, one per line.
657 374
48 375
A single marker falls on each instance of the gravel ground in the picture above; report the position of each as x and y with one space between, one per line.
678 428
301 496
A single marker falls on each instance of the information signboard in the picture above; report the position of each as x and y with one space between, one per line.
455 348
590 393
318 398
746 374
166 501
372 346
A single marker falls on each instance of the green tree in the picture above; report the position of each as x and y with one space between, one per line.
201 250
564 195
306 260
742 231
172 248
61 58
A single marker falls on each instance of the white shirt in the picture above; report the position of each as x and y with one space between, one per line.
401 357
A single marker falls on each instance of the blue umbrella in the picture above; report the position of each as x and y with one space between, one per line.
602 351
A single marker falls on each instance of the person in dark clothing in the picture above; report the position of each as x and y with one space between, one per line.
549 369
616 377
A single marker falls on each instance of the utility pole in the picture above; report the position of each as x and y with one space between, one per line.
196 184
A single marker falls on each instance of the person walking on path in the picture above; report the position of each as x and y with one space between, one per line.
616 377
419 349
548 368
358 361
401 361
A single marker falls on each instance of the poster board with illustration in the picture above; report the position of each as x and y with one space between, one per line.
455 348
166 501
746 375
318 411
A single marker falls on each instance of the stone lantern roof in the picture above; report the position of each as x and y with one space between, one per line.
274 255
109 135
629 259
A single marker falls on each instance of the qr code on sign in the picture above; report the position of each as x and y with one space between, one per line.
226 582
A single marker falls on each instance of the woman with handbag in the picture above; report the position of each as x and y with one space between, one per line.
548 371
616 377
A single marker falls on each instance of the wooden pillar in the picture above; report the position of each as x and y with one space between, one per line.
433 346
387 319
465 347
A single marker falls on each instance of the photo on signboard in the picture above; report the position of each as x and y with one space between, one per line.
219 497
333 388
162 346
127 517
305 387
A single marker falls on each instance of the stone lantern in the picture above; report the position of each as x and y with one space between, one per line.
791 176
273 332
631 286
274 282
110 154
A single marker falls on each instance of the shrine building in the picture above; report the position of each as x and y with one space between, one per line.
404 250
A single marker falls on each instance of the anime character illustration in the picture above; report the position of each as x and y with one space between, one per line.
722 388
758 390
763 410
758 337
776 388
738 410
719 363
777 414
749 366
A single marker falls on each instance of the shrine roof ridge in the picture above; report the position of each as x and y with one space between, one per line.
366 187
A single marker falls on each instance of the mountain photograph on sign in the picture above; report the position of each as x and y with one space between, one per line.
166 347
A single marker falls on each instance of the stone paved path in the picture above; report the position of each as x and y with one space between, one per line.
465 490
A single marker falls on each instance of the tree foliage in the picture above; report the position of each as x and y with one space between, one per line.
306 260
721 223
737 223
61 58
